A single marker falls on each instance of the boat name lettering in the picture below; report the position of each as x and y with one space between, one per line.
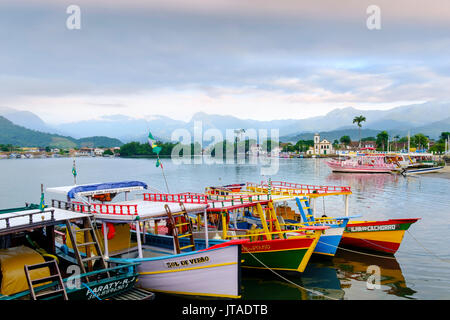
109 288
187 262
258 247
373 228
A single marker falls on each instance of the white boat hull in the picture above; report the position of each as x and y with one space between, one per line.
423 170
213 273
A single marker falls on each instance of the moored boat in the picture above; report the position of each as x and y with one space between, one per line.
304 196
164 265
381 236
267 247
365 163
33 268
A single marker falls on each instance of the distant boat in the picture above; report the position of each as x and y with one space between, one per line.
414 163
422 170
366 163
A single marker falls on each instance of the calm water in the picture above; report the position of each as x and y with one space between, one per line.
415 273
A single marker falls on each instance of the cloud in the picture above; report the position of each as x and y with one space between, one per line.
271 60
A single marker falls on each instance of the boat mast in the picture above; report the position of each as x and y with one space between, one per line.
409 142
206 228
105 239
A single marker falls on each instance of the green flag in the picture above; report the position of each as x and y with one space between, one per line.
155 148
158 163
74 171
42 204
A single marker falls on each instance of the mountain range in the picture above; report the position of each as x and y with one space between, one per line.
430 118
16 135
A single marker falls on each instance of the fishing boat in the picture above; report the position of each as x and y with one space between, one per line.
362 163
381 236
265 247
163 264
304 196
33 267
415 163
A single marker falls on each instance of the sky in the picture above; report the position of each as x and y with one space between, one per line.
253 59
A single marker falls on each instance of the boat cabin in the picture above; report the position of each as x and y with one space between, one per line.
34 266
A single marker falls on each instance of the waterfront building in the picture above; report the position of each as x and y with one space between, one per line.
321 147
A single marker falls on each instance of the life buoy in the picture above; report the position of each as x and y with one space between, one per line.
105 197
111 230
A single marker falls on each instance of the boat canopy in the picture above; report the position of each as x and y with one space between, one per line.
99 188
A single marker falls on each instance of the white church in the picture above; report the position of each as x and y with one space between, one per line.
320 147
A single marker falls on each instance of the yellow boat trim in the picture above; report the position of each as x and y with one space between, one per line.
309 253
388 236
187 269
325 254
196 293
276 250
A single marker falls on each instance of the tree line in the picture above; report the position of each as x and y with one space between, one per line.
133 149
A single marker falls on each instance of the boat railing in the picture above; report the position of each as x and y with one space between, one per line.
296 188
29 214
255 234
99 208
118 209
238 198
111 208
72 206
187 197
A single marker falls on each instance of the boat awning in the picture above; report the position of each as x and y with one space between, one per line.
99 188
12 221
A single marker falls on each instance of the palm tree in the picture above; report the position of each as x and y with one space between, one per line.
395 140
358 121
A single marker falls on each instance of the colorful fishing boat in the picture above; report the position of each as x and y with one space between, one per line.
381 236
33 268
305 197
268 247
164 265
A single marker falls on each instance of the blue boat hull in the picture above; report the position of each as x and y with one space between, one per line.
328 245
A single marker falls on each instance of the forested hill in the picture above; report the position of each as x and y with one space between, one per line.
23 137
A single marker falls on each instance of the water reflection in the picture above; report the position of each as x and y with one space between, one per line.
364 181
353 266
319 278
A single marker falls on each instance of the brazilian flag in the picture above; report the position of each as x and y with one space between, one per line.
152 142
42 204
74 171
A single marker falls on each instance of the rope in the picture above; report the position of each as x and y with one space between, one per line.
289 281
364 253
84 284
433 254
386 257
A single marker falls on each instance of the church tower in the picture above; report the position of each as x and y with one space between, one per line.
317 143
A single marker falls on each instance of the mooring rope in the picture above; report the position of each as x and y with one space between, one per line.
364 253
432 253
386 257
289 281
